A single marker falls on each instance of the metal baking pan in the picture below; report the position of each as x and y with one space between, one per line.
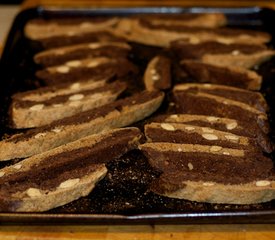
17 74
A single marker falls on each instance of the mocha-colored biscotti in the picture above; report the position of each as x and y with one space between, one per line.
241 55
193 134
157 75
207 20
254 99
63 174
196 102
71 38
226 75
211 173
117 114
39 28
241 128
58 56
161 35
28 113
86 69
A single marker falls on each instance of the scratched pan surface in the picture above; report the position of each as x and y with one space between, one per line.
122 198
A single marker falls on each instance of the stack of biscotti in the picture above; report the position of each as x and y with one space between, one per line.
120 113
63 174
212 149
221 63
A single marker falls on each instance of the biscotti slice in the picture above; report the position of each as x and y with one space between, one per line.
71 38
211 173
211 105
161 35
158 74
28 114
207 20
254 99
46 93
241 128
192 134
240 55
58 56
226 75
63 174
39 28
120 113
84 69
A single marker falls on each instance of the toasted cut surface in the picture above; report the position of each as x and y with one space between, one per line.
39 29
225 75
58 56
191 134
86 69
157 75
161 35
241 128
120 113
72 38
198 172
28 114
211 105
208 20
239 55
63 174
254 99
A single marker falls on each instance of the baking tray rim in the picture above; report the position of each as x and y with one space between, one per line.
217 217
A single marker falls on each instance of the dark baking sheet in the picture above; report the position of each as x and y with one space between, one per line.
17 71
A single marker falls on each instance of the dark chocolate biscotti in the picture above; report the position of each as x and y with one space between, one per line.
189 102
58 56
211 173
86 69
161 35
240 55
237 127
40 28
157 75
225 75
63 174
29 113
120 113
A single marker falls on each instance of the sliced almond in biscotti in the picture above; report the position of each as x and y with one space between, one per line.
254 99
90 68
28 114
241 128
39 28
192 134
226 75
71 54
211 105
117 114
161 34
240 55
63 174
211 173
158 74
